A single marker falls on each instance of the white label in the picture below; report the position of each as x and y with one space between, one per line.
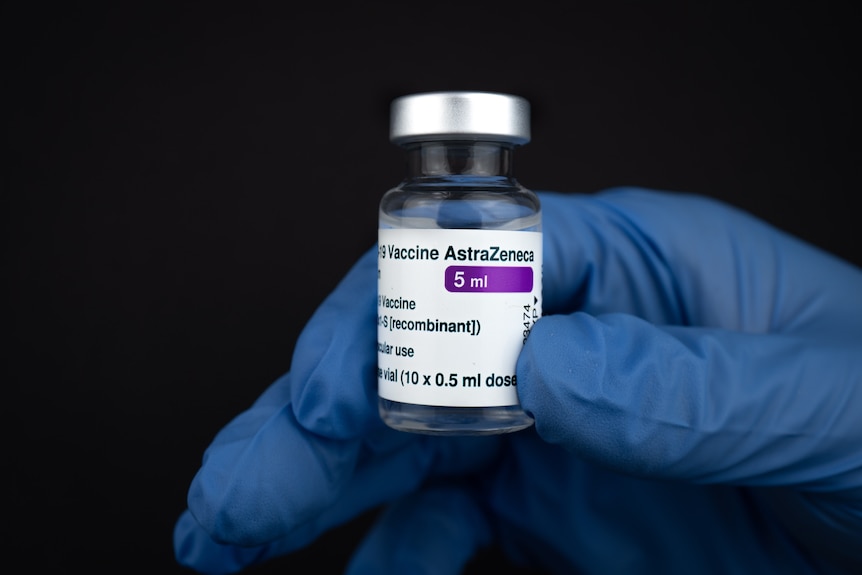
454 308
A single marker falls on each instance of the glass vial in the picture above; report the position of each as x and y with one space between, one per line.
459 266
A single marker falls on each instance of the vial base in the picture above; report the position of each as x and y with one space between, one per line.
435 420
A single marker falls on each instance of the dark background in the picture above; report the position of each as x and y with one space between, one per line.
184 184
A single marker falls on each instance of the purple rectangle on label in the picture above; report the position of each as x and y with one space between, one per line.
489 279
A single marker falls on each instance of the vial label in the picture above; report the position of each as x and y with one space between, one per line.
454 308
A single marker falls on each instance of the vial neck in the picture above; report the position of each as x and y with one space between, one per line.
459 159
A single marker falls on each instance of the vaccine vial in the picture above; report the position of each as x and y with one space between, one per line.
459 266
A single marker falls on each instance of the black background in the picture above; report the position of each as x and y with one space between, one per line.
184 184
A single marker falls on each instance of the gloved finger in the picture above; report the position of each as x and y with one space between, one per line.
195 549
334 363
434 531
303 504
265 479
230 542
679 259
240 494
258 480
697 404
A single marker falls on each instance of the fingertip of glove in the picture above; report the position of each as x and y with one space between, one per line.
334 362
590 385
195 549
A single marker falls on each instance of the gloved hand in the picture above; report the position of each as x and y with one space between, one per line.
696 384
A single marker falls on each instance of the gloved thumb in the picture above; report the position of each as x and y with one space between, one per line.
692 403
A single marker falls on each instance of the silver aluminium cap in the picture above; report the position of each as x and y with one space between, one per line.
460 115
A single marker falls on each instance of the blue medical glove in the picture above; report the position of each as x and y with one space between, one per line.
697 390
312 452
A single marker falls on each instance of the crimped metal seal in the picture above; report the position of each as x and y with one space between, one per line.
460 115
